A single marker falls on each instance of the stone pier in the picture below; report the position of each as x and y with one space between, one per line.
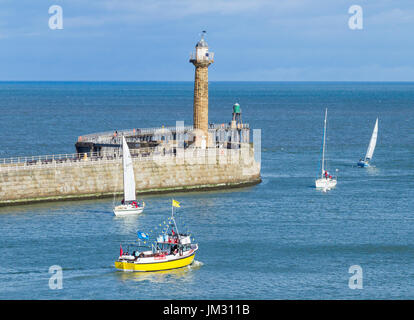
192 170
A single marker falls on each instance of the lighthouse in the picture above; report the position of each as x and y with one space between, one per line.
201 59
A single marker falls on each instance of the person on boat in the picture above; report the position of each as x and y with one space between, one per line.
326 174
174 249
122 201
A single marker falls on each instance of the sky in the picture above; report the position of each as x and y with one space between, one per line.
253 40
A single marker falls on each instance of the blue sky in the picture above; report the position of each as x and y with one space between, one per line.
253 40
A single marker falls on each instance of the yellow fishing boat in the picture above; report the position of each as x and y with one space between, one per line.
171 250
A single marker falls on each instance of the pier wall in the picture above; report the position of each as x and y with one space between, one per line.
189 170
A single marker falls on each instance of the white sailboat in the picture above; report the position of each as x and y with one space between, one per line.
326 181
129 205
371 148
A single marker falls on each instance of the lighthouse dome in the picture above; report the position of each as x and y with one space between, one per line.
202 44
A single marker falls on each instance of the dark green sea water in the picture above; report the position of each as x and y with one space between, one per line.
281 239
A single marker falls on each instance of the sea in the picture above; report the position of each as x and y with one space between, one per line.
280 239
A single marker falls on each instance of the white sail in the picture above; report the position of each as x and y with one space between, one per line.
129 178
372 143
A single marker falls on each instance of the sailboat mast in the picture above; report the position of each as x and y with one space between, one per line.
324 141
123 167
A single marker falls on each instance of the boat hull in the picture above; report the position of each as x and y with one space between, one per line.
124 210
325 183
363 164
155 266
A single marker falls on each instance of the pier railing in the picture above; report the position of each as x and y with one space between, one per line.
93 137
44 158
115 136
159 154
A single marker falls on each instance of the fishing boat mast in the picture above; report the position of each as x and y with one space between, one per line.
172 217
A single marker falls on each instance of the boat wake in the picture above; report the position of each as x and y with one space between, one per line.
195 265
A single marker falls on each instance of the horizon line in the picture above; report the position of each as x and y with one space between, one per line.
211 81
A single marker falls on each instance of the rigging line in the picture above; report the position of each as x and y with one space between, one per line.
117 173
326 146
116 184
106 122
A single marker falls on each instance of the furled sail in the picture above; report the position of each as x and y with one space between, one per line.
129 178
372 143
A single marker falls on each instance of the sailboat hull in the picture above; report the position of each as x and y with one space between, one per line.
124 210
363 164
325 183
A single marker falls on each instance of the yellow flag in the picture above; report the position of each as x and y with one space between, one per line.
175 203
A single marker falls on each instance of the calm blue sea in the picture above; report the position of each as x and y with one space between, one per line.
281 239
